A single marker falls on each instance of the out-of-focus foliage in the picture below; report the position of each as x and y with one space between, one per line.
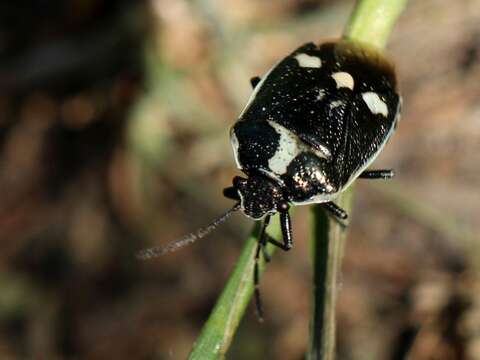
114 124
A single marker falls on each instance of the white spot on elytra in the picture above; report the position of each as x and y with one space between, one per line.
308 61
374 103
343 79
235 146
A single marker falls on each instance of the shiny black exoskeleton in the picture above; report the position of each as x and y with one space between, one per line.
313 124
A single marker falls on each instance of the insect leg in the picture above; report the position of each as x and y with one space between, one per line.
254 81
377 174
263 239
286 226
336 212
256 270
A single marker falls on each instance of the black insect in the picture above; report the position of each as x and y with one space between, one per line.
313 124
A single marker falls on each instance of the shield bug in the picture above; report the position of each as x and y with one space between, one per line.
312 125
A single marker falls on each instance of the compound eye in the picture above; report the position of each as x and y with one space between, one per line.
239 182
283 206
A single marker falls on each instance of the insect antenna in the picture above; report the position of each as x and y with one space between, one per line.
188 239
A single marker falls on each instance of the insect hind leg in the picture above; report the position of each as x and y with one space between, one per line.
336 212
384 174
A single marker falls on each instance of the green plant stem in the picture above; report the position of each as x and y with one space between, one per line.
218 331
371 22
327 244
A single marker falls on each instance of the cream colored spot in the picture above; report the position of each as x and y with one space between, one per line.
374 103
289 147
343 79
308 61
235 146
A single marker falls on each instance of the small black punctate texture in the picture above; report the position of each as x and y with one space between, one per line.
339 129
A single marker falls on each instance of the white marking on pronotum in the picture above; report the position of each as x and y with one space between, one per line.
343 79
308 61
374 103
288 148
235 146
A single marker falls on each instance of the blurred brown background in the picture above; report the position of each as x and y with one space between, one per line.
114 122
